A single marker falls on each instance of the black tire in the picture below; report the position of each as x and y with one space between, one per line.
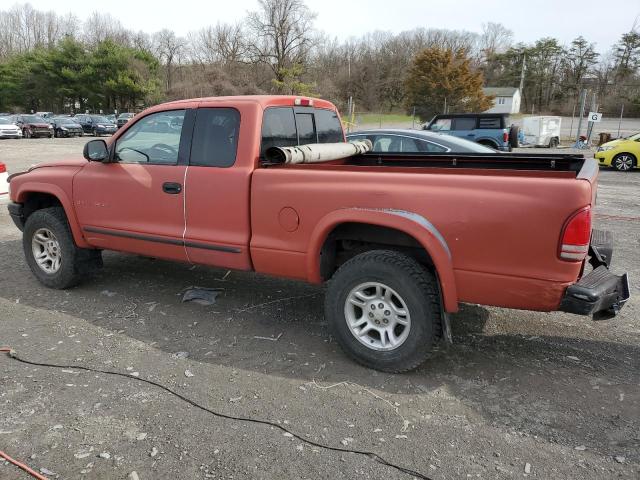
419 290
624 162
26 133
554 142
75 263
513 136
94 132
56 133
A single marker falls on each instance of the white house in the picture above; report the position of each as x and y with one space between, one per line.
507 99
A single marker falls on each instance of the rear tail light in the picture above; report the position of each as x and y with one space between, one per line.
303 102
576 235
505 136
3 168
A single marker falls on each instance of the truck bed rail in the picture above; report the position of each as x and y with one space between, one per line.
508 161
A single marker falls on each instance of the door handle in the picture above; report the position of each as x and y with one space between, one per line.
171 188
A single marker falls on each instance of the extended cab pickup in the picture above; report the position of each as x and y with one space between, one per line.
403 239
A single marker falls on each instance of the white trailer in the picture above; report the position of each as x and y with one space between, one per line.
541 131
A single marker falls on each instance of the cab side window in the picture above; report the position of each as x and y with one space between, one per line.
154 139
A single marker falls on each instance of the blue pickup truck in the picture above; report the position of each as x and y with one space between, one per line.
490 129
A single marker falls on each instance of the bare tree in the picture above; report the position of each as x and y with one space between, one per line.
103 26
168 47
22 28
282 34
223 43
495 38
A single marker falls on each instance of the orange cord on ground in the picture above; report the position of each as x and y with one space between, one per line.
18 464
21 465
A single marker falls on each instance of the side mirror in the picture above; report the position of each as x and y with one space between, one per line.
96 151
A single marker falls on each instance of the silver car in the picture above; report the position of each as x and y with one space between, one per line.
417 141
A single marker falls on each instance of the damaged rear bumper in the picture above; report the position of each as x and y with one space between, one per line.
599 293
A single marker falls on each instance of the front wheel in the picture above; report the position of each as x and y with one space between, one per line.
26 133
384 310
51 253
623 162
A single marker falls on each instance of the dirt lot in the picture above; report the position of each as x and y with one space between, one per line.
554 395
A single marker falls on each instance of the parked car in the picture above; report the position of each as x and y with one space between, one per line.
416 141
399 245
489 129
8 129
96 125
621 154
111 117
124 118
66 127
4 179
33 126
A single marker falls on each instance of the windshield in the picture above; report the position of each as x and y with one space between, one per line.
64 121
635 136
99 119
33 119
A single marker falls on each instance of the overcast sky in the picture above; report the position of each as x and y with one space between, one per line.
599 21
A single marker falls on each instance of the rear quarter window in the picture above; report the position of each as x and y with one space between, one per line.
489 123
288 126
278 129
464 123
328 126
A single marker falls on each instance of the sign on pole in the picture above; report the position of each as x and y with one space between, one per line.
594 117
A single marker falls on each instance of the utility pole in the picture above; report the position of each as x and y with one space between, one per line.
620 121
524 61
591 124
583 98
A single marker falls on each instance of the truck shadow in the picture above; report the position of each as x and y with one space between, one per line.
275 327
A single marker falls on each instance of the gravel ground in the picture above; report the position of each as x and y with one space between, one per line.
519 394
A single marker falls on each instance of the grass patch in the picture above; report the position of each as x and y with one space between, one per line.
382 118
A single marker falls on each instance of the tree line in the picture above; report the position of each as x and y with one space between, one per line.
57 62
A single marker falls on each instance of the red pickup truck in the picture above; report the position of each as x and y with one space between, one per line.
402 239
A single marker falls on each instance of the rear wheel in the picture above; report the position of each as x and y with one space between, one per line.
384 310
513 137
623 162
95 132
51 253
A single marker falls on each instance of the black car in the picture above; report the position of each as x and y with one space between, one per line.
95 124
66 127
416 141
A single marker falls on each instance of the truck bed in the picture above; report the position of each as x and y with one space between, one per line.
564 165
500 215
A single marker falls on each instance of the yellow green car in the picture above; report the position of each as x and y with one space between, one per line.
621 154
